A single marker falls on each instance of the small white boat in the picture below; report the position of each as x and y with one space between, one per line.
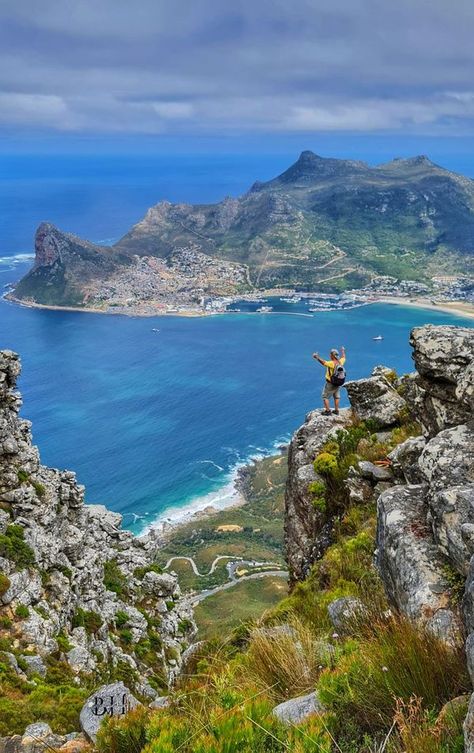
377 337
155 329
264 309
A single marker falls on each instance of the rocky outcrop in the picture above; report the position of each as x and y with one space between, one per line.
410 563
376 400
425 508
73 582
307 535
441 392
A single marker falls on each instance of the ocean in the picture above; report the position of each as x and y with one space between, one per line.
155 421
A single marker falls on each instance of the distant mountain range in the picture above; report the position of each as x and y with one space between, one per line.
327 224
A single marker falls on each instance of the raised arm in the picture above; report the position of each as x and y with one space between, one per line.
317 357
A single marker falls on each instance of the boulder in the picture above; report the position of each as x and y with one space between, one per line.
34 666
298 709
10 744
160 703
409 562
448 458
307 535
374 472
405 460
108 700
452 520
342 612
375 399
39 737
441 393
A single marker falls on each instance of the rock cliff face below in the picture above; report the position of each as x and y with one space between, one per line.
76 579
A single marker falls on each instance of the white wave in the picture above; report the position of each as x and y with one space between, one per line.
222 498
211 462
16 259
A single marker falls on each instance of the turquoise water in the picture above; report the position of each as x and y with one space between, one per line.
152 420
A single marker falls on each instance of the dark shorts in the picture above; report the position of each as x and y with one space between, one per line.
331 390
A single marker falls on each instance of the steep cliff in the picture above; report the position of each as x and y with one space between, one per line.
74 586
424 492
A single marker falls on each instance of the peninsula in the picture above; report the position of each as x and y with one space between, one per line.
324 225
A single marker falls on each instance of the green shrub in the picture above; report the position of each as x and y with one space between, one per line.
325 464
4 583
125 734
126 636
170 605
23 476
114 579
63 642
121 618
14 547
5 623
39 488
22 611
91 621
184 626
140 572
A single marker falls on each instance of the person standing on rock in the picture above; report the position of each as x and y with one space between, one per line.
335 378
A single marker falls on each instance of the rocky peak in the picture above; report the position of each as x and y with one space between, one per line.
49 245
310 168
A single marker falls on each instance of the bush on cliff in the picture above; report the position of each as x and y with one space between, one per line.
14 547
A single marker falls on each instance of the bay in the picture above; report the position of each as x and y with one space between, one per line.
152 421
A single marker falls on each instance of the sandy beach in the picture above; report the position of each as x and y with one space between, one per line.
450 307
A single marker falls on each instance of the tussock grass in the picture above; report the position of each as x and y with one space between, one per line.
286 661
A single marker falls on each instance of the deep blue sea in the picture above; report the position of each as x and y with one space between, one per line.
151 421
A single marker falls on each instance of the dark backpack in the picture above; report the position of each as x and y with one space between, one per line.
338 376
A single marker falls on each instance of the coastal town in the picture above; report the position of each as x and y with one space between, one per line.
191 283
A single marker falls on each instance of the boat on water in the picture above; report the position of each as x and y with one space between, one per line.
293 299
154 329
378 337
264 309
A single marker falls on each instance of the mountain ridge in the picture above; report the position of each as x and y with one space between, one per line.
409 218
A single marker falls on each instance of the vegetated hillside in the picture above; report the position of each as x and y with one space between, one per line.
323 223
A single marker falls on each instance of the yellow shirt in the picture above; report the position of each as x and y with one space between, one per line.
330 365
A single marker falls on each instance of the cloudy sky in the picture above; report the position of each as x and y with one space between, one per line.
215 68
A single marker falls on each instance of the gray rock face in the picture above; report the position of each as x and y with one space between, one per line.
409 561
468 728
441 393
405 459
374 398
71 543
108 700
297 710
306 537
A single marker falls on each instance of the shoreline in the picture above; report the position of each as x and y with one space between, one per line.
448 307
460 308
230 495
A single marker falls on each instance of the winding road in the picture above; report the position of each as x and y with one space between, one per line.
232 566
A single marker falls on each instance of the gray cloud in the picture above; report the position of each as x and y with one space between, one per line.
158 66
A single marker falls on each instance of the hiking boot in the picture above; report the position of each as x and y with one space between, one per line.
325 412
336 412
